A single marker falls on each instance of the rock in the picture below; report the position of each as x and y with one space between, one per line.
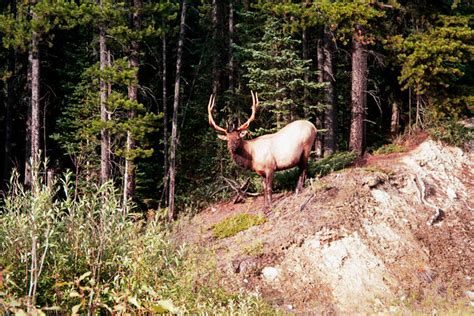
245 266
356 251
270 273
374 181
451 193
380 196
470 295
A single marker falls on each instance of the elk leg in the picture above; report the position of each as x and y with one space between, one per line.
267 188
269 179
303 166
264 180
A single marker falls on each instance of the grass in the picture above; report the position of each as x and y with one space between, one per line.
388 149
235 224
254 249
86 255
432 303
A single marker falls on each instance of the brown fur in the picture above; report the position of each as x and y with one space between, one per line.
265 155
285 149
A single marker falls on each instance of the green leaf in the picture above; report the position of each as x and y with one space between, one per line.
20 312
52 308
74 294
85 275
133 300
165 306
75 309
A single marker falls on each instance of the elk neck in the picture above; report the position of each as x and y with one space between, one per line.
241 155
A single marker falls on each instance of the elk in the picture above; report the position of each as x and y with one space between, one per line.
287 148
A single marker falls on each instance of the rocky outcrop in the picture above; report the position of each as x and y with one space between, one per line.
381 238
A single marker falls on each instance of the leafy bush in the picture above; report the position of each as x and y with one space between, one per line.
388 149
317 168
452 133
236 223
331 163
87 255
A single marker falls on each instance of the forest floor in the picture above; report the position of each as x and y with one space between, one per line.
393 234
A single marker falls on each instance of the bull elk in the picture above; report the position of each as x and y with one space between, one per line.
287 148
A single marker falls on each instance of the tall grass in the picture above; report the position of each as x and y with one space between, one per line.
84 255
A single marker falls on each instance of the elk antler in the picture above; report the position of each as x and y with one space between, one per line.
210 106
254 110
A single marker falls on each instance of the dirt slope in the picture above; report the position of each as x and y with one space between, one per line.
395 235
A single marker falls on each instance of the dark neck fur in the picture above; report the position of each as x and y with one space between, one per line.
242 158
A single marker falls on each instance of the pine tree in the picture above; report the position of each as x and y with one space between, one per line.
9 106
174 126
352 20
130 169
127 121
274 69
432 61
24 28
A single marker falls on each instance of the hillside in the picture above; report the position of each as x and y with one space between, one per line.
394 234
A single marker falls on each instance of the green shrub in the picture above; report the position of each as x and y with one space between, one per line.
236 223
86 255
452 133
388 149
331 163
287 180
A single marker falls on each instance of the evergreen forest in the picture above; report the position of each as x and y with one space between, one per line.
104 125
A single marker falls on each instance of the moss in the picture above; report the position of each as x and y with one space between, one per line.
254 249
388 149
237 223
377 169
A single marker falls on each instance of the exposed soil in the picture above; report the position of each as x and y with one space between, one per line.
387 236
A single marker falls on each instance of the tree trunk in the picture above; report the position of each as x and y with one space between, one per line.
306 76
174 126
129 174
409 108
231 56
165 122
34 61
395 120
27 172
418 111
358 96
216 67
319 142
104 117
330 123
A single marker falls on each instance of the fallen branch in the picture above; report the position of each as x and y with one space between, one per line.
239 189
438 213
306 202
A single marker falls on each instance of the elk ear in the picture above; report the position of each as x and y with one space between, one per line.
223 137
243 133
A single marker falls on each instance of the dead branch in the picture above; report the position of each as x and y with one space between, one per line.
239 189
306 202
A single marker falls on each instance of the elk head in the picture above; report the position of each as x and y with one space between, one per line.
234 137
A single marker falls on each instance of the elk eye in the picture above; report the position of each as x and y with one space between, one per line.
242 134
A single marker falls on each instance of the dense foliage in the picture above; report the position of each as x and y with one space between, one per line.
72 255
419 57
